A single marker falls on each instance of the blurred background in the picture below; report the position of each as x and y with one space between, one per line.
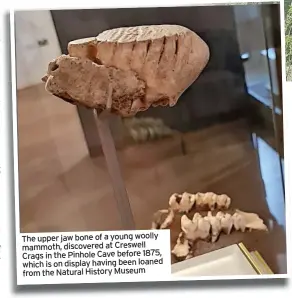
225 135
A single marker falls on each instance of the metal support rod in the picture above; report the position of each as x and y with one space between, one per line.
110 154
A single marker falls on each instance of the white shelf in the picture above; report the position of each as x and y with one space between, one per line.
222 262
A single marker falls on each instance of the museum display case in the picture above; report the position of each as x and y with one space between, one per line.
223 136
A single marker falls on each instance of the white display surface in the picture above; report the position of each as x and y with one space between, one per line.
226 261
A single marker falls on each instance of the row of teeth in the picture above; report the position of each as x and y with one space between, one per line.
211 226
201 227
186 201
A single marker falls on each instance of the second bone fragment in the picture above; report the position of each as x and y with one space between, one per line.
212 225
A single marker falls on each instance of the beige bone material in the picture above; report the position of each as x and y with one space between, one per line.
84 82
212 225
201 228
226 222
216 226
182 247
186 201
252 221
239 222
162 219
212 201
189 228
198 228
174 202
156 64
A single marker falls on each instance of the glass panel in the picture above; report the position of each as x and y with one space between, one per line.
223 136
61 187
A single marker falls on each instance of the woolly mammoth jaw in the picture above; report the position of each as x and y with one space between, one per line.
154 64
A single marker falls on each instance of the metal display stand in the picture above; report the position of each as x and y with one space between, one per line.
110 154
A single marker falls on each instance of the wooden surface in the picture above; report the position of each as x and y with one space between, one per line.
63 189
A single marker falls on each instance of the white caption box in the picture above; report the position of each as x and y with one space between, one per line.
93 257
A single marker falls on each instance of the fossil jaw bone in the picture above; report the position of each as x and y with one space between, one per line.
143 65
